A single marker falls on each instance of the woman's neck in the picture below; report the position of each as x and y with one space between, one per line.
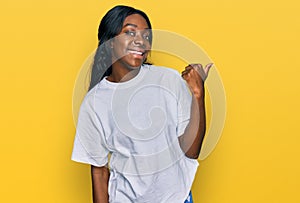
120 73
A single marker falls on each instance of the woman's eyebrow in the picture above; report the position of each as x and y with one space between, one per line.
130 24
133 25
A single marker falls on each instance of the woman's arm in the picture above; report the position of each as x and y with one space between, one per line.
100 177
192 138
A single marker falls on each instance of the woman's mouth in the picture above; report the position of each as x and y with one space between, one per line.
137 52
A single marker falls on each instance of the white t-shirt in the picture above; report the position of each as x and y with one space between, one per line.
138 122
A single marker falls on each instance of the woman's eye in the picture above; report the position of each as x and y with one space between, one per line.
147 37
131 33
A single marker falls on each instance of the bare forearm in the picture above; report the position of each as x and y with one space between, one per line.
100 177
191 140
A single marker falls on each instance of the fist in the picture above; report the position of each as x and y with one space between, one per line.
195 75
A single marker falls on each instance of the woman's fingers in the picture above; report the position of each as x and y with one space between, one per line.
195 75
203 72
200 71
186 70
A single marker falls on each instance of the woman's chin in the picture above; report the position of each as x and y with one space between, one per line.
135 65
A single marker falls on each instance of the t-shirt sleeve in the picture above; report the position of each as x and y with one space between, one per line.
183 106
89 145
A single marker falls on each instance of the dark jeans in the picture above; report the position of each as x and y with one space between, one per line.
189 199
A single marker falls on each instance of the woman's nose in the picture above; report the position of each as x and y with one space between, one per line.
138 39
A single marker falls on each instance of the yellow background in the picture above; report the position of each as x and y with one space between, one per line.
255 45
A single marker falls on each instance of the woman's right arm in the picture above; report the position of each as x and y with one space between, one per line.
100 177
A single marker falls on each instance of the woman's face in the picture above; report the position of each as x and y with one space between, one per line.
130 48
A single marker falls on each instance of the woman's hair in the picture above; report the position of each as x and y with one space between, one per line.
110 26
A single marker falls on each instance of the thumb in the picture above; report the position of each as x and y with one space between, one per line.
207 68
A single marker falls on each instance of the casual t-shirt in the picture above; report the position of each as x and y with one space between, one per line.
138 123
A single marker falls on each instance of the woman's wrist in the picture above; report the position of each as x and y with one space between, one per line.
198 93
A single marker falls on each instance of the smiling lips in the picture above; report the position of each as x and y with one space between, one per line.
137 52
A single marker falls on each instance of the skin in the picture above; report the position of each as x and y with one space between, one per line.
132 40
191 142
100 177
126 52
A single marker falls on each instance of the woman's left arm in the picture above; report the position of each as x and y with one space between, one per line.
191 140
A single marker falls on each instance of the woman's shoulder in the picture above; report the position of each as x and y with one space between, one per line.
88 98
163 70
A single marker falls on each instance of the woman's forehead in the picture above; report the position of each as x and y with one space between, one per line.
137 21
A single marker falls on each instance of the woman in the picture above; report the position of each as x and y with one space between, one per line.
143 115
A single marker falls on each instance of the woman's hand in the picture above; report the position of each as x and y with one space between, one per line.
195 75
192 138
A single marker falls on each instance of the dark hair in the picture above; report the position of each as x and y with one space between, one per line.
110 26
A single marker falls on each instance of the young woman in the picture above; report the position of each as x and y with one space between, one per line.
143 115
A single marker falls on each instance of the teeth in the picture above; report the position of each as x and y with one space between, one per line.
136 52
